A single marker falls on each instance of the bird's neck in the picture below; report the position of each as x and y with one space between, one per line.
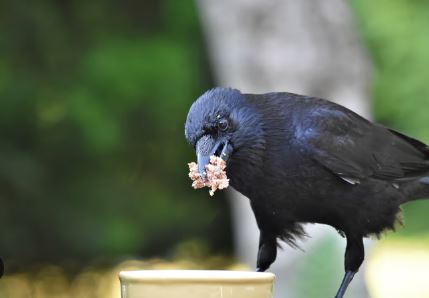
265 156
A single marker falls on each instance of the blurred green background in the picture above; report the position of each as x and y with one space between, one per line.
396 34
93 98
93 156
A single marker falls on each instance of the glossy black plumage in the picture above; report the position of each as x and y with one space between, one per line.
303 160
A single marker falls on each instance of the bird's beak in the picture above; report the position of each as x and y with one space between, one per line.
208 146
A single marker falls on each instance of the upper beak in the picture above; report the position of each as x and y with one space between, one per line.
208 146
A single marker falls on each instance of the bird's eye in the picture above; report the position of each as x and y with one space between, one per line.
223 124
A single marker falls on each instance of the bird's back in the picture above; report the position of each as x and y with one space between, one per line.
345 142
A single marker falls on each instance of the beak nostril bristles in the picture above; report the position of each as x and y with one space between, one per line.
219 150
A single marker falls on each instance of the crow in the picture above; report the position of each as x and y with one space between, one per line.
302 159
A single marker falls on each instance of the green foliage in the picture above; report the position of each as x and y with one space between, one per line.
92 155
398 40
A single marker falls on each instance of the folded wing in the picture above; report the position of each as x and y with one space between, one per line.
355 149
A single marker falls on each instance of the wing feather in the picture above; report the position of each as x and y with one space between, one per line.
354 148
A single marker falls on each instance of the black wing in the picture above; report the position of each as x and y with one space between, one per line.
354 148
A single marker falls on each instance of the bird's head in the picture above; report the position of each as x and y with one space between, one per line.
223 122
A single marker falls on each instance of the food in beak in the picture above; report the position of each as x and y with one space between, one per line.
215 177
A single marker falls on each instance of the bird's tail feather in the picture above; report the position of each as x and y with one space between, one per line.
425 180
417 190
422 190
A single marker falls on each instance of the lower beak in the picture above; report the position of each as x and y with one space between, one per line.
208 146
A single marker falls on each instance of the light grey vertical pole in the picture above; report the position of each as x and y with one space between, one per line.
310 47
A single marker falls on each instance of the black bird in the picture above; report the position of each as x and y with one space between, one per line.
302 159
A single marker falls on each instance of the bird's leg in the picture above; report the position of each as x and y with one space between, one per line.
348 276
267 252
353 259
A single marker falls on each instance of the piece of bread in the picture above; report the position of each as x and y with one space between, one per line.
215 177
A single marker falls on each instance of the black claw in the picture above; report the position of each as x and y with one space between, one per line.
267 252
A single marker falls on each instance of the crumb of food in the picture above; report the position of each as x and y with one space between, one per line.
215 177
